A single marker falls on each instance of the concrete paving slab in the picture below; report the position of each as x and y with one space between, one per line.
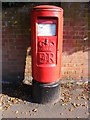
73 102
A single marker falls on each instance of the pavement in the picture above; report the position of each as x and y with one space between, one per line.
16 102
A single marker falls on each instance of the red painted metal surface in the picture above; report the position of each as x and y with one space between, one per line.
46 43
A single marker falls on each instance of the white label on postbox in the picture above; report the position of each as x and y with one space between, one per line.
46 29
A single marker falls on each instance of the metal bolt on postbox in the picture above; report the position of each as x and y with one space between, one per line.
46 47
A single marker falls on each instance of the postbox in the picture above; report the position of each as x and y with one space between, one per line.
46 48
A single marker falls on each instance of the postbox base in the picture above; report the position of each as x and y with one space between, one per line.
45 93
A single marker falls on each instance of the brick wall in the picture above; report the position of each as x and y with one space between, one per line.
0 45
16 42
75 41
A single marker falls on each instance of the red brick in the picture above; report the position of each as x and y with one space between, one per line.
16 41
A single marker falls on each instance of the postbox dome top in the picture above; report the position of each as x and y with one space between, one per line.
48 7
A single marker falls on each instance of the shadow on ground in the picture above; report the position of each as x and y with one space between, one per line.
20 91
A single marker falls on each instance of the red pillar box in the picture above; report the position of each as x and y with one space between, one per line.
46 47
